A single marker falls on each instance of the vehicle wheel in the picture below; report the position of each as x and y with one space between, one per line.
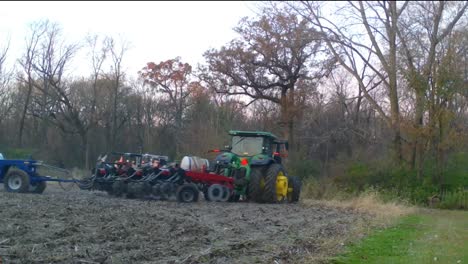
187 193
16 181
215 193
145 188
205 194
133 190
294 184
108 188
86 184
156 189
276 184
119 188
226 194
255 185
166 189
38 187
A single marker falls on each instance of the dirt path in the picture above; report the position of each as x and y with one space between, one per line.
92 227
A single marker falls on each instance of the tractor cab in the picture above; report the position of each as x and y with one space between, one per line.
262 145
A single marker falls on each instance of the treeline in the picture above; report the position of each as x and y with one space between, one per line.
368 93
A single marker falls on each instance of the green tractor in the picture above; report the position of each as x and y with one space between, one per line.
253 160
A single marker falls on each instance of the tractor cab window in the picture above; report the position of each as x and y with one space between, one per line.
247 146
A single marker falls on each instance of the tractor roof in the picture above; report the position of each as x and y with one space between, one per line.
252 134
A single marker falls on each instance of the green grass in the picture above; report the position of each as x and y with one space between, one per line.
435 236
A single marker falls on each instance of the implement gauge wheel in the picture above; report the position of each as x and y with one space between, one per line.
218 193
38 187
119 188
16 181
187 193
276 184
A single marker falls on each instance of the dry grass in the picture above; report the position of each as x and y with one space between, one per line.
377 214
369 202
384 213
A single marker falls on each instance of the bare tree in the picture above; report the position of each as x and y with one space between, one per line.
62 104
173 79
6 103
370 57
273 53
118 76
37 30
422 36
98 54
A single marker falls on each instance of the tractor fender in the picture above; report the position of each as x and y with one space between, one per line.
261 160
4 171
16 165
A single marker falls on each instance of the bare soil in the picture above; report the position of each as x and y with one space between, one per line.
73 226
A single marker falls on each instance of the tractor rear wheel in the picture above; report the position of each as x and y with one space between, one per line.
276 184
255 185
187 193
16 181
38 187
294 189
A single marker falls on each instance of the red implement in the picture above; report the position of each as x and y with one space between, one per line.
210 179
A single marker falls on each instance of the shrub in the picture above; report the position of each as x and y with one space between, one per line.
457 199
19 153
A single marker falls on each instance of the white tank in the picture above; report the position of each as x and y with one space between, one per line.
193 163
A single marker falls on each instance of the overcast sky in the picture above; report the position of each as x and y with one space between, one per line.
157 31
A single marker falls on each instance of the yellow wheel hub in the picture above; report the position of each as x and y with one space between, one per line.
281 186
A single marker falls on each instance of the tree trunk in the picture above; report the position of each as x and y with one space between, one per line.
392 79
113 131
291 114
23 115
417 162
43 124
284 115
86 150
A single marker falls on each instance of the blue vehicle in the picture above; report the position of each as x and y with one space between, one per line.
21 176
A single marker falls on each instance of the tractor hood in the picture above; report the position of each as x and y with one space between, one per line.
228 158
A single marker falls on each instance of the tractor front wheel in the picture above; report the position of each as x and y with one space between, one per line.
276 184
255 185
16 181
